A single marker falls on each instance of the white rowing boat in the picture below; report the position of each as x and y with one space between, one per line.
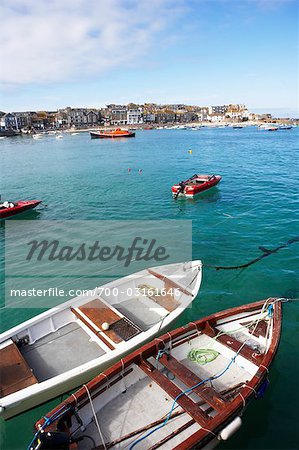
68 345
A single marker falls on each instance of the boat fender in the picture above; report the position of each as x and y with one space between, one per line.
2 410
230 429
262 389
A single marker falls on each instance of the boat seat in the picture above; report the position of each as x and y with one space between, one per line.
15 374
97 312
167 301
140 313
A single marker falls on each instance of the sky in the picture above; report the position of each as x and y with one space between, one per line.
82 53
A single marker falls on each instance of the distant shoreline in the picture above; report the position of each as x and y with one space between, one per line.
179 125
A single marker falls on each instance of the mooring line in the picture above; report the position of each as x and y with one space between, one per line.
266 252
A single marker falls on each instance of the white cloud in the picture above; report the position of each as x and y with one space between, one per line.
49 41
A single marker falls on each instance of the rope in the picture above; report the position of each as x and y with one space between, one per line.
95 417
202 356
265 254
48 420
75 398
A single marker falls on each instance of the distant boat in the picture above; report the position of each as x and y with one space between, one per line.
59 136
238 126
8 133
118 133
285 127
74 134
66 346
8 209
195 185
187 389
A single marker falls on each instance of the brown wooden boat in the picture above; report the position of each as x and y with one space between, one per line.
186 389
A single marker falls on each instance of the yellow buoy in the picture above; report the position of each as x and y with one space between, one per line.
190 152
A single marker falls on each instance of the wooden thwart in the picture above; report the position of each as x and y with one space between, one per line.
99 313
171 389
169 283
232 343
15 372
92 328
190 379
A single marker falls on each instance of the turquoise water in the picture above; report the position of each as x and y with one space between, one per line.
255 205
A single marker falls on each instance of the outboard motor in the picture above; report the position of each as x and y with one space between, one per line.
55 440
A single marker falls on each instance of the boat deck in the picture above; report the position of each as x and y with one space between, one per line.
143 405
54 354
134 410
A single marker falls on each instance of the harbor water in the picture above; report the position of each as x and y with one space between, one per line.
254 206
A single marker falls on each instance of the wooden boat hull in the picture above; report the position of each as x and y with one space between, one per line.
166 400
20 206
193 189
66 346
111 135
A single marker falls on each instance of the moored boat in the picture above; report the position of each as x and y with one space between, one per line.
8 132
8 209
285 127
118 133
68 345
195 185
187 389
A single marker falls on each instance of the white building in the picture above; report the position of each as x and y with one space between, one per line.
216 117
134 116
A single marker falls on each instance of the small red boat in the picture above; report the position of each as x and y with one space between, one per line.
8 209
195 185
118 133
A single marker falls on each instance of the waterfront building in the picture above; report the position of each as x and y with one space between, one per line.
203 114
149 117
9 121
23 118
216 117
220 109
117 114
134 116
79 117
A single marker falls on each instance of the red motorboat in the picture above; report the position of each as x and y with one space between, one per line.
8 209
195 185
118 133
